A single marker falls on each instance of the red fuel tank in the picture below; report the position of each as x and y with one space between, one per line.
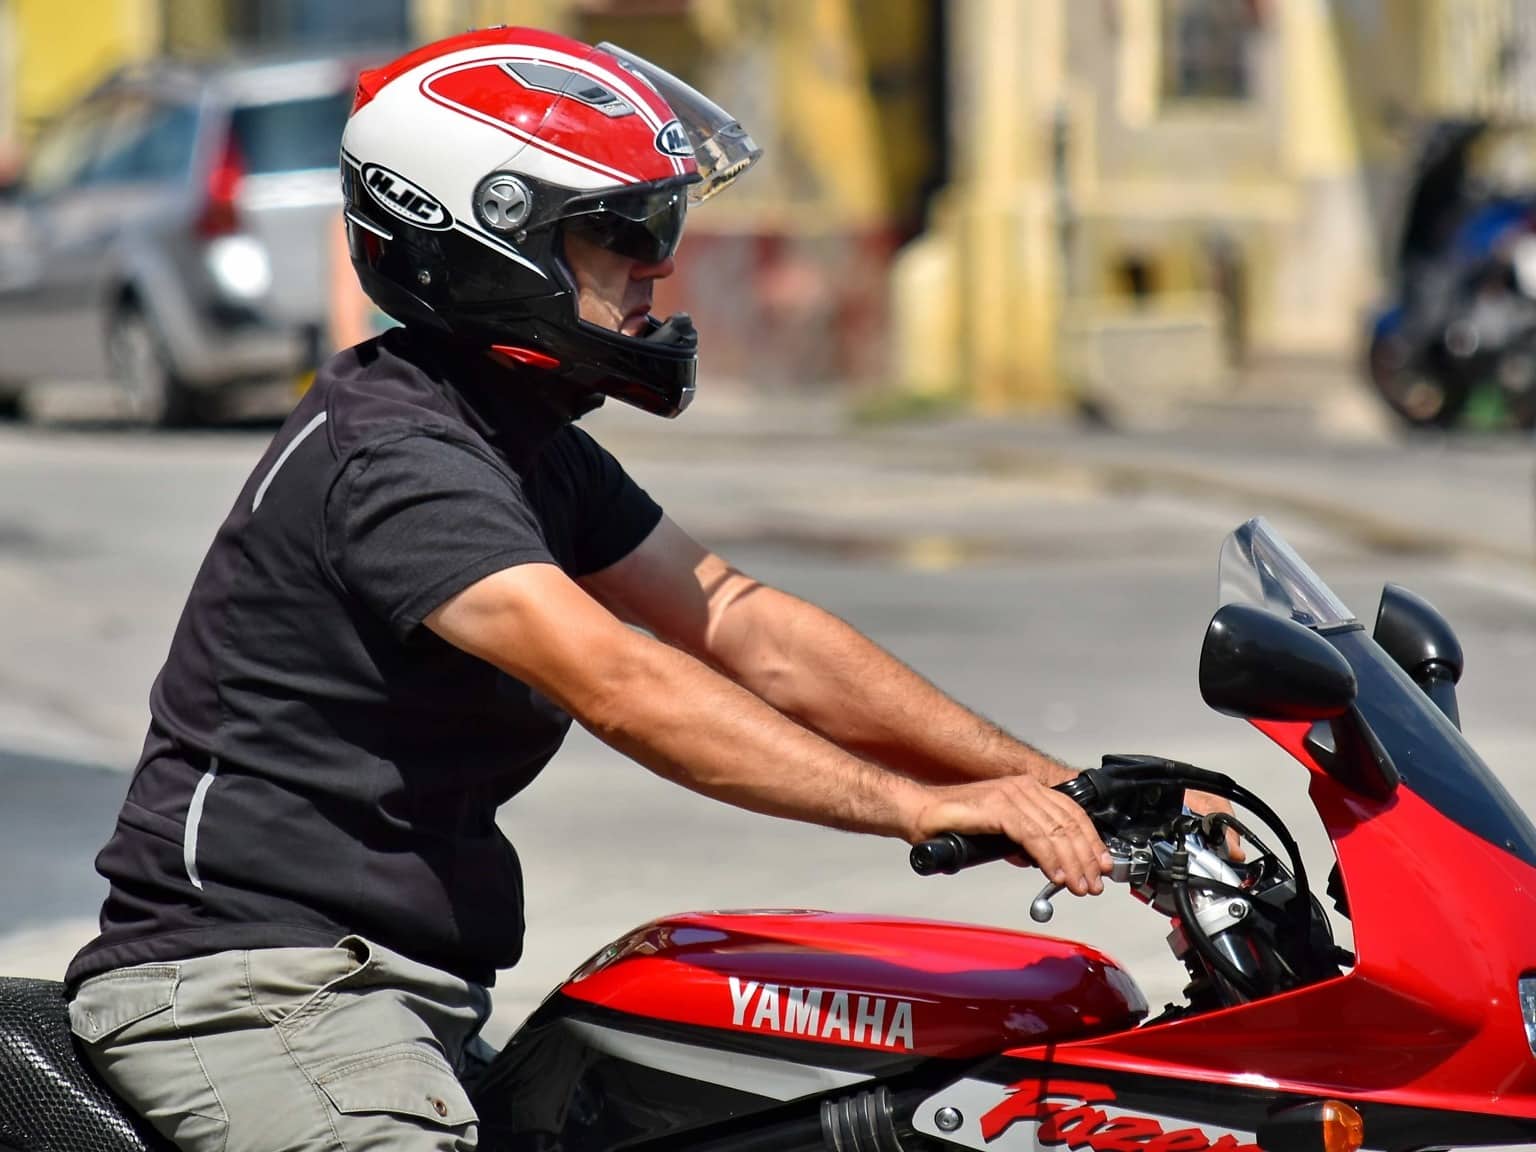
895 985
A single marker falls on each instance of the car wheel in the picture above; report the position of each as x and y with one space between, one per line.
151 393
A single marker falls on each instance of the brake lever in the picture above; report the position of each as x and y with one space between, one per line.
1132 863
1041 909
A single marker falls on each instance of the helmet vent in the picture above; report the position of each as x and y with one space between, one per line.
503 202
563 82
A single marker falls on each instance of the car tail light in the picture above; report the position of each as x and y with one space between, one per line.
219 216
1528 1009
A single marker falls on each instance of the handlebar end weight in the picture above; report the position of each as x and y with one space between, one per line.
935 856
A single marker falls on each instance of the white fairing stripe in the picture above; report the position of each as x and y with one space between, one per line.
194 817
757 1075
287 452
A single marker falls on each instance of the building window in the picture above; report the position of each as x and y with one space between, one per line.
1209 49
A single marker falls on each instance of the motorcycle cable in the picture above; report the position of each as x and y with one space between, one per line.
1229 789
1178 879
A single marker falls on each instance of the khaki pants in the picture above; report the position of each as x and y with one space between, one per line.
322 1049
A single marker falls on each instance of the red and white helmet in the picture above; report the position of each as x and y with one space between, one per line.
465 162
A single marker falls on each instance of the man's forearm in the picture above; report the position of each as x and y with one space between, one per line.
814 667
689 724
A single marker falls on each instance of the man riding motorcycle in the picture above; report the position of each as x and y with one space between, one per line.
430 572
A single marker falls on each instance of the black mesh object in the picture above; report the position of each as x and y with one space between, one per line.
50 1101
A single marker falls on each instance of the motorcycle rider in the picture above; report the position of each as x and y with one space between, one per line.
430 572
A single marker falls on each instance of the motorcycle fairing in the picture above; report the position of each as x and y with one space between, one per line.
1424 1035
886 984
1024 1105
1428 1018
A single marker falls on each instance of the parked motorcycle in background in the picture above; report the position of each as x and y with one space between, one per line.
1464 319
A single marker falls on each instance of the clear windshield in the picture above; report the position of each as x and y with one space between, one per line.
1258 567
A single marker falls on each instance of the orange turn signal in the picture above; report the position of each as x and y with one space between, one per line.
1343 1128
1315 1126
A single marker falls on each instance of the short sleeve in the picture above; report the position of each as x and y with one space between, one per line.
612 515
412 522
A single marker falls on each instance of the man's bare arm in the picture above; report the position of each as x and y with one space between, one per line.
688 723
811 666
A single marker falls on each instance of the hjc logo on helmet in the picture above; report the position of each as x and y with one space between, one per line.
399 196
673 141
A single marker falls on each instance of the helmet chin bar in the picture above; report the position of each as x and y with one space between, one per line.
654 372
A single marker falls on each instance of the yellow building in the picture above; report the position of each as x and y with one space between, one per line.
50 53
1148 193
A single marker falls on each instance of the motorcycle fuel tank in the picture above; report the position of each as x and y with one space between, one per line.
699 1018
892 985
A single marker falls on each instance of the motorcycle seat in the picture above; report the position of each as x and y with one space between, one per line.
50 1100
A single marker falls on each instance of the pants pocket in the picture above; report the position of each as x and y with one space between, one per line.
126 1022
401 1096
291 985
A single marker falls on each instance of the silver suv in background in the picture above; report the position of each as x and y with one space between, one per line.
173 234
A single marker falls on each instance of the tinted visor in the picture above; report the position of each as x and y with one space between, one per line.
645 226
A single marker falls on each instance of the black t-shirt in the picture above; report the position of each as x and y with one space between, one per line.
318 763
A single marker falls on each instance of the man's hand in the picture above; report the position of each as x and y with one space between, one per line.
1052 829
1203 803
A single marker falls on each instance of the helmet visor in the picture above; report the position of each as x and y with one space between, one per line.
642 225
722 148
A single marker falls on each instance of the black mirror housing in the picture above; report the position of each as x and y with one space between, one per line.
1261 666
1423 644
1411 631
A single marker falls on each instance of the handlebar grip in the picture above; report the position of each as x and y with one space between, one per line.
953 851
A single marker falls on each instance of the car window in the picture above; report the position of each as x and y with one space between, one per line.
145 140
291 135
65 148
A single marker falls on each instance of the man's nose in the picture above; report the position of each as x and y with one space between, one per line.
654 269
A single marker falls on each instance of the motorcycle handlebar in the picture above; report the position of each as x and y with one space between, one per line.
952 851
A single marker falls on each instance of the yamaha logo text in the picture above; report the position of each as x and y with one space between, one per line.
821 1014
402 198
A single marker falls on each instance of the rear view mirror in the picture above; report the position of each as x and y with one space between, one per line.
1260 666
1422 643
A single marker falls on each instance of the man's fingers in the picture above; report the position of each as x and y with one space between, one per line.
1073 827
1053 830
1059 835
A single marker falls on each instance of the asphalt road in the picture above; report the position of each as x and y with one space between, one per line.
1078 629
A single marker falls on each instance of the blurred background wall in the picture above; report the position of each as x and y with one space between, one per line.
1013 202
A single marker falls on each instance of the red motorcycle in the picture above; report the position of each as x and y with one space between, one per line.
814 1031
